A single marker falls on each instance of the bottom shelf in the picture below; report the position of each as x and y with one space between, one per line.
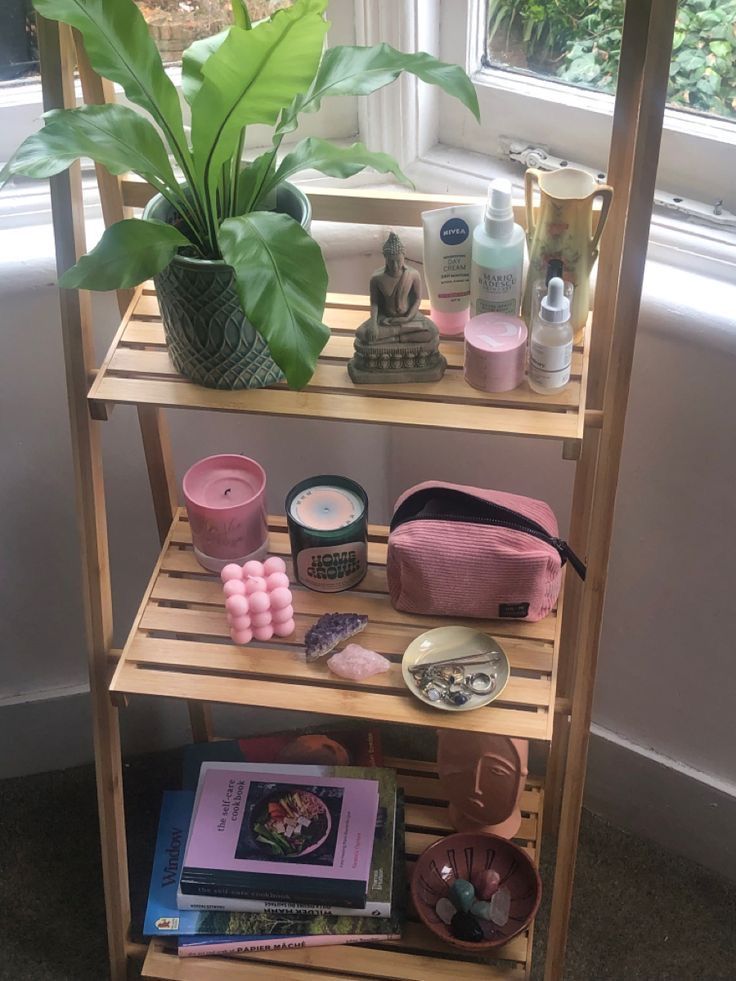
418 956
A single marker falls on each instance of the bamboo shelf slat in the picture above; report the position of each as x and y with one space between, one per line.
418 956
179 647
137 370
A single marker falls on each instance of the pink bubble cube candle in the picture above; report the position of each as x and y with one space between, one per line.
258 601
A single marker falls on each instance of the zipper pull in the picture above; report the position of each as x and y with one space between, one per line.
568 555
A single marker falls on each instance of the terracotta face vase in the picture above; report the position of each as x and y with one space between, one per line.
564 229
483 777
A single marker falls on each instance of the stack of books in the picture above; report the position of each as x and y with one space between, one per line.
273 855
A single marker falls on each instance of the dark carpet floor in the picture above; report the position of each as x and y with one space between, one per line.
640 913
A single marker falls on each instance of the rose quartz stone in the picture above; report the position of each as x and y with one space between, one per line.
357 663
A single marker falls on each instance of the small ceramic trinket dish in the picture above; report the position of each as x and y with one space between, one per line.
458 859
455 668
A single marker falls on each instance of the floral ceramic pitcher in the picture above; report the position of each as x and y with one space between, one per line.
564 230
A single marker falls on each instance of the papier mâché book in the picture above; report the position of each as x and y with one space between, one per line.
279 833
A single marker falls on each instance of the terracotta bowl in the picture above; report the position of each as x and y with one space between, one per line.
461 856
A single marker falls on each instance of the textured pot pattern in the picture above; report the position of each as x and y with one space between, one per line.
210 340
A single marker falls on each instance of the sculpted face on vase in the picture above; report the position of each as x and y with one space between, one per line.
483 777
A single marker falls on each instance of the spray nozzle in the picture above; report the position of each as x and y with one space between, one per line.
499 215
555 307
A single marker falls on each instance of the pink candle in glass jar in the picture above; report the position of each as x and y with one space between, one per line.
226 502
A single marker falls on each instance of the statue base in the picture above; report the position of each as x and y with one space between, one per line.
360 375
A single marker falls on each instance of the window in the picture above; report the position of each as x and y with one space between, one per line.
579 42
174 24
698 155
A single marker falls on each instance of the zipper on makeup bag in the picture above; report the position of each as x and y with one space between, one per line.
514 522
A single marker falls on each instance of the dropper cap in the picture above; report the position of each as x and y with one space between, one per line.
555 306
499 216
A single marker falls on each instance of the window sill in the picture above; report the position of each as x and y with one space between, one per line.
673 240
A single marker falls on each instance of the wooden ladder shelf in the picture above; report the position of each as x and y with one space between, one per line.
178 646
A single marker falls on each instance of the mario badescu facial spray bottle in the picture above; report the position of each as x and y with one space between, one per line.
498 256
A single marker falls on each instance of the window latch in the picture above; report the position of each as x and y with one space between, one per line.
537 155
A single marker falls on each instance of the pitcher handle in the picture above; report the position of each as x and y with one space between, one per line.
530 178
605 192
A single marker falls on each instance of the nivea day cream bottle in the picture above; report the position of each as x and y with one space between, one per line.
448 239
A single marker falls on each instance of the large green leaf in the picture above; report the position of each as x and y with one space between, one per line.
119 46
335 161
355 70
282 284
115 136
250 78
253 182
192 60
129 252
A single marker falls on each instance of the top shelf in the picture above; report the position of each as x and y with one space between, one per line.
137 370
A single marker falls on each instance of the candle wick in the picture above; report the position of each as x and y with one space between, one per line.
227 491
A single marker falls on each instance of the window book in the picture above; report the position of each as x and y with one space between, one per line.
324 747
284 833
219 932
379 887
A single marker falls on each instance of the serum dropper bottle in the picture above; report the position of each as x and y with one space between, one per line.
550 346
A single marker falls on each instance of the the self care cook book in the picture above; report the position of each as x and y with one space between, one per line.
277 833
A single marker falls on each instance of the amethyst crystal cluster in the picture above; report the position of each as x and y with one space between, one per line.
330 630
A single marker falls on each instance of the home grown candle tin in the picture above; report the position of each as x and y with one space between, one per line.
327 518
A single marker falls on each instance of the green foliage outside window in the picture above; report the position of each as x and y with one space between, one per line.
579 41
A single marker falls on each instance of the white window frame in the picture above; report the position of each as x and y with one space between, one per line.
442 148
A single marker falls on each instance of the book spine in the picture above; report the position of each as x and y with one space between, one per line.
219 904
274 888
283 943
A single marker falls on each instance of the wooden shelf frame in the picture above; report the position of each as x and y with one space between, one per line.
180 647
418 955
135 372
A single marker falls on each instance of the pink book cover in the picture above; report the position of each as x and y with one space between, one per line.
232 948
296 836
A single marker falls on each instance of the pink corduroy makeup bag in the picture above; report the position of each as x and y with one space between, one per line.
467 552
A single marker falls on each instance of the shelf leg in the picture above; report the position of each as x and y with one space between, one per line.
637 126
57 63
151 419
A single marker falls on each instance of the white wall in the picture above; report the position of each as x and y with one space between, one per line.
665 685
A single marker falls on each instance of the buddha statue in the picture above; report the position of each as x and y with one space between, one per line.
397 343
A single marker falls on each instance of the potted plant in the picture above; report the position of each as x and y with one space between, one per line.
242 286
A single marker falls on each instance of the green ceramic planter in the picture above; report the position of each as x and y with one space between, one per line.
209 338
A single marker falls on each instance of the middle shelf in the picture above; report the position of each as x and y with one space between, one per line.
179 647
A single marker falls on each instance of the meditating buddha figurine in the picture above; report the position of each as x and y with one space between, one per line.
397 343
